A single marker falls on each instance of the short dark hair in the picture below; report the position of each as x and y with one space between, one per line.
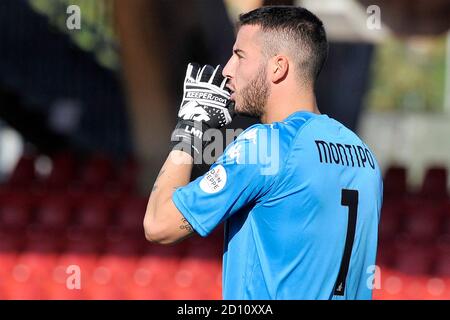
297 28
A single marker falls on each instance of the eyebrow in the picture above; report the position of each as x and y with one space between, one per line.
239 52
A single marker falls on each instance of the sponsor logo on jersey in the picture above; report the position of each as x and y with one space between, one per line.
214 180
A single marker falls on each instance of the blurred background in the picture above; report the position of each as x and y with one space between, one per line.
88 101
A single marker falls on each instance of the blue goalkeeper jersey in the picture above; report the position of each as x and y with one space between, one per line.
301 201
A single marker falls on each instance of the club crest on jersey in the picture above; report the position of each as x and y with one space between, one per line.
214 180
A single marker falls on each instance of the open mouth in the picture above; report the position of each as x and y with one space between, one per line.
231 91
230 88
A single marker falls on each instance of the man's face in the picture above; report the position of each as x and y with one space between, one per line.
246 71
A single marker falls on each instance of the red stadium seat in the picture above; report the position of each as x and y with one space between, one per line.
424 288
63 171
15 211
422 225
101 284
141 289
131 212
10 245
398 286
11 240
442 267
152 277
24 173
84 240
96 173
54 212
412 258
93 212
395 182
43 239
4 193
390 222
447 289
392 286
40 264
443 244
16 290
7 262
121 268
24 282
385 254
121 242
200 275
437 289
127 176
446 220
122 265
415 288
157 272
435 183
40 254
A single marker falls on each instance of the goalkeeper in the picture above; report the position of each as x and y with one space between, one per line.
300 194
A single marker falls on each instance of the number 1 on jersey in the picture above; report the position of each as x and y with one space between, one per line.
349 198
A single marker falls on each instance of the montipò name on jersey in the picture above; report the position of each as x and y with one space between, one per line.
226 309
344 154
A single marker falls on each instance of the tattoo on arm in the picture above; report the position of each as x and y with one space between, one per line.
186 225
155 186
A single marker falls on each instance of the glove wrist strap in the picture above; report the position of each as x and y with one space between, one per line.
188 137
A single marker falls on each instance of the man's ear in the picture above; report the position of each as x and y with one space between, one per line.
279 68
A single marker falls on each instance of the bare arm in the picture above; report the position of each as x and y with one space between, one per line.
163 222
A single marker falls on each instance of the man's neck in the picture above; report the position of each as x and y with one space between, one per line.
279 108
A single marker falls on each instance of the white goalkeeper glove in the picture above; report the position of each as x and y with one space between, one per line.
205 105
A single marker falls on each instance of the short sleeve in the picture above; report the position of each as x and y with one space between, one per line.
241 176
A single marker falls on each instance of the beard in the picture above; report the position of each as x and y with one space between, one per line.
255 95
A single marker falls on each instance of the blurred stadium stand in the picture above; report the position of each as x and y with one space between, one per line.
72 198
94 222
44 230
414 239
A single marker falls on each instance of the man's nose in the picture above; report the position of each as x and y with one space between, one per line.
226 72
